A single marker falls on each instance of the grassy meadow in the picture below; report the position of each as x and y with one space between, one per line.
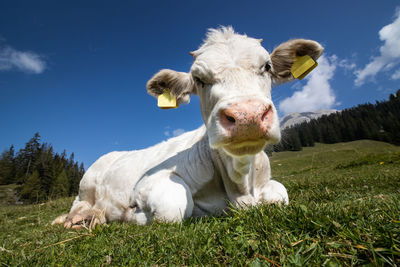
344 210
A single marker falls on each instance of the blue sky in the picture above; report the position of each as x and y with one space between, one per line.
75 71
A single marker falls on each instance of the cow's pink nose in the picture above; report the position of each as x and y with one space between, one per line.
251 119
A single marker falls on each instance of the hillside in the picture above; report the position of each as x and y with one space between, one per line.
344 210
379 121
296 118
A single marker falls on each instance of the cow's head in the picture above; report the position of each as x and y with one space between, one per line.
232 75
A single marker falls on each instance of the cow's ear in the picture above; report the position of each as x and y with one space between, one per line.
285 54
180 84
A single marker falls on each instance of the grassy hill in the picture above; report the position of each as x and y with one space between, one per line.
345 209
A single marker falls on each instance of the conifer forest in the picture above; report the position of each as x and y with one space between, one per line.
39 172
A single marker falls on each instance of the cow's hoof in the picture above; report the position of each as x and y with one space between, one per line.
86 220
245 202
275 192
60 219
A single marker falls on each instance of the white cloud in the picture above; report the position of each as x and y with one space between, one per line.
346 64
396 75
29 62
389 53
317 93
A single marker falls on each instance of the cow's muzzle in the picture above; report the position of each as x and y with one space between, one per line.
246 126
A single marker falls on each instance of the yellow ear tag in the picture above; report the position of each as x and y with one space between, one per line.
303 66
166 100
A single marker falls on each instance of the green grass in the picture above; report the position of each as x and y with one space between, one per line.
344 210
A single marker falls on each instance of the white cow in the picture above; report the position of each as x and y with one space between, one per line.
223 161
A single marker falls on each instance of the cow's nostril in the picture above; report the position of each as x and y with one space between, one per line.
266 114
230 118
227 119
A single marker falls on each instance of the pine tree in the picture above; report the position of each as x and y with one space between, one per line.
60 186
295 142
7 168
26 159
31 190
74 177
81 169
330 134
292 140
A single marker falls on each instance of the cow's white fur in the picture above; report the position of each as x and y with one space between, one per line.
196 173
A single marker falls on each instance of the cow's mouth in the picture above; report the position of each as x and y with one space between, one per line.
243 148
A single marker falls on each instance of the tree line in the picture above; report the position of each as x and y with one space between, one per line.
39 172
380 122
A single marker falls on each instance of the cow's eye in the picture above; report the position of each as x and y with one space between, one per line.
198 81
267 67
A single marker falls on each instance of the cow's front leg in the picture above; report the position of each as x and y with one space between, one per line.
162 197
275 192
82 214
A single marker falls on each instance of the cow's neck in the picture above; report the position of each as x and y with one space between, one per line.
198 165
238 169
236 174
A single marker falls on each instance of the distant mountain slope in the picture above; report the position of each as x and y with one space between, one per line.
292 119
